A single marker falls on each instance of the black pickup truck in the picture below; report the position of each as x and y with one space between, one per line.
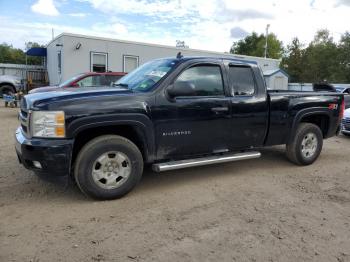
170 113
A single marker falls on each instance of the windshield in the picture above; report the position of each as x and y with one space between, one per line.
68 81
147 75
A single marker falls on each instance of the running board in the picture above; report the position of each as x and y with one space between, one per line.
172 165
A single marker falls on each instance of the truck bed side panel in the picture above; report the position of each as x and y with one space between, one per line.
287 109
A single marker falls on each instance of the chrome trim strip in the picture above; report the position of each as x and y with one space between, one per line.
172 165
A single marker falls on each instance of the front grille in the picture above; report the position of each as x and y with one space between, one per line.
24 128
24 117
346 123
24 113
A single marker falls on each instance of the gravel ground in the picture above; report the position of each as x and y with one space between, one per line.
257 210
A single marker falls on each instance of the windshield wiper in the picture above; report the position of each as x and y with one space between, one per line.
122 85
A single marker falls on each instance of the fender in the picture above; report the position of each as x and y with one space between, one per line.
142 124
307 112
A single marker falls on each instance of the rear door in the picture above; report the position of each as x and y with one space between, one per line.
249 106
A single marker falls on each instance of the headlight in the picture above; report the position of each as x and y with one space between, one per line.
48 124
17 82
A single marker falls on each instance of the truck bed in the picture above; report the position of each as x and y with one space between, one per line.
286 105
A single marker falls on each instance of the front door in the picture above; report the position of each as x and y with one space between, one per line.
197 124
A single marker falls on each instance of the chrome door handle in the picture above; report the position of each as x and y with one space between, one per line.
219 109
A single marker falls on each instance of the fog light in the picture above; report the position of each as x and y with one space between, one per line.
37 164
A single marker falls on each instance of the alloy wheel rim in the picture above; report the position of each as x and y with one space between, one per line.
309 145
111 170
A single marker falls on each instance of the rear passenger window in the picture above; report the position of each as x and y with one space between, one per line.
241 81
207 79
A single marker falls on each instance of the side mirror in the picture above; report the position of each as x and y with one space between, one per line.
181 88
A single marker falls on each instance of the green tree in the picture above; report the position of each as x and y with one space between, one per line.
8 54
344 58
293 60
254 45
321 59
11 55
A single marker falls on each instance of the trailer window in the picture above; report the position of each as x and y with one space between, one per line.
130 63
59 62
241 80
98 62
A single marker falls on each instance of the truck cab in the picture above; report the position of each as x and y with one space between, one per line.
200 109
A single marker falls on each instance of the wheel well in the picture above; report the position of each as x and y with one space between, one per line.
129 132
322 121
8 84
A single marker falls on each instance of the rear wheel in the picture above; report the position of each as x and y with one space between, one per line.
108 167
306 145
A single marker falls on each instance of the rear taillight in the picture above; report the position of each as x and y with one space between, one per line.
342 109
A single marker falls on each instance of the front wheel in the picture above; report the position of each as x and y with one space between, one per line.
6 90
306 145
108 167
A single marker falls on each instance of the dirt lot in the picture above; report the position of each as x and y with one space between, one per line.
257 210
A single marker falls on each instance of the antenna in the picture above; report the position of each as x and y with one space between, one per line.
179 55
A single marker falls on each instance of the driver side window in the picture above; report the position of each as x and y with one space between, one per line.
207 79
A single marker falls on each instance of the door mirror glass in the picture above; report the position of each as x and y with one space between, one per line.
181 88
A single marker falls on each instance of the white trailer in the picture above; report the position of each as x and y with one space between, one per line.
70 54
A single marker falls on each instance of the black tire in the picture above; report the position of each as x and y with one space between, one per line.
345 134
294 148
6 104
7 90
92 151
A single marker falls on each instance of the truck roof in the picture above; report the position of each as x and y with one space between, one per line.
235 60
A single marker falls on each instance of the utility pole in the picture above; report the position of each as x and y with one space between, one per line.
267 34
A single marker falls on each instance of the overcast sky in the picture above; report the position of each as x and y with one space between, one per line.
202 24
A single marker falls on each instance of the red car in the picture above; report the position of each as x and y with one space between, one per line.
84 80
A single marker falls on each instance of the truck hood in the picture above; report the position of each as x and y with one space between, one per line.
45 89
31 101
9 78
